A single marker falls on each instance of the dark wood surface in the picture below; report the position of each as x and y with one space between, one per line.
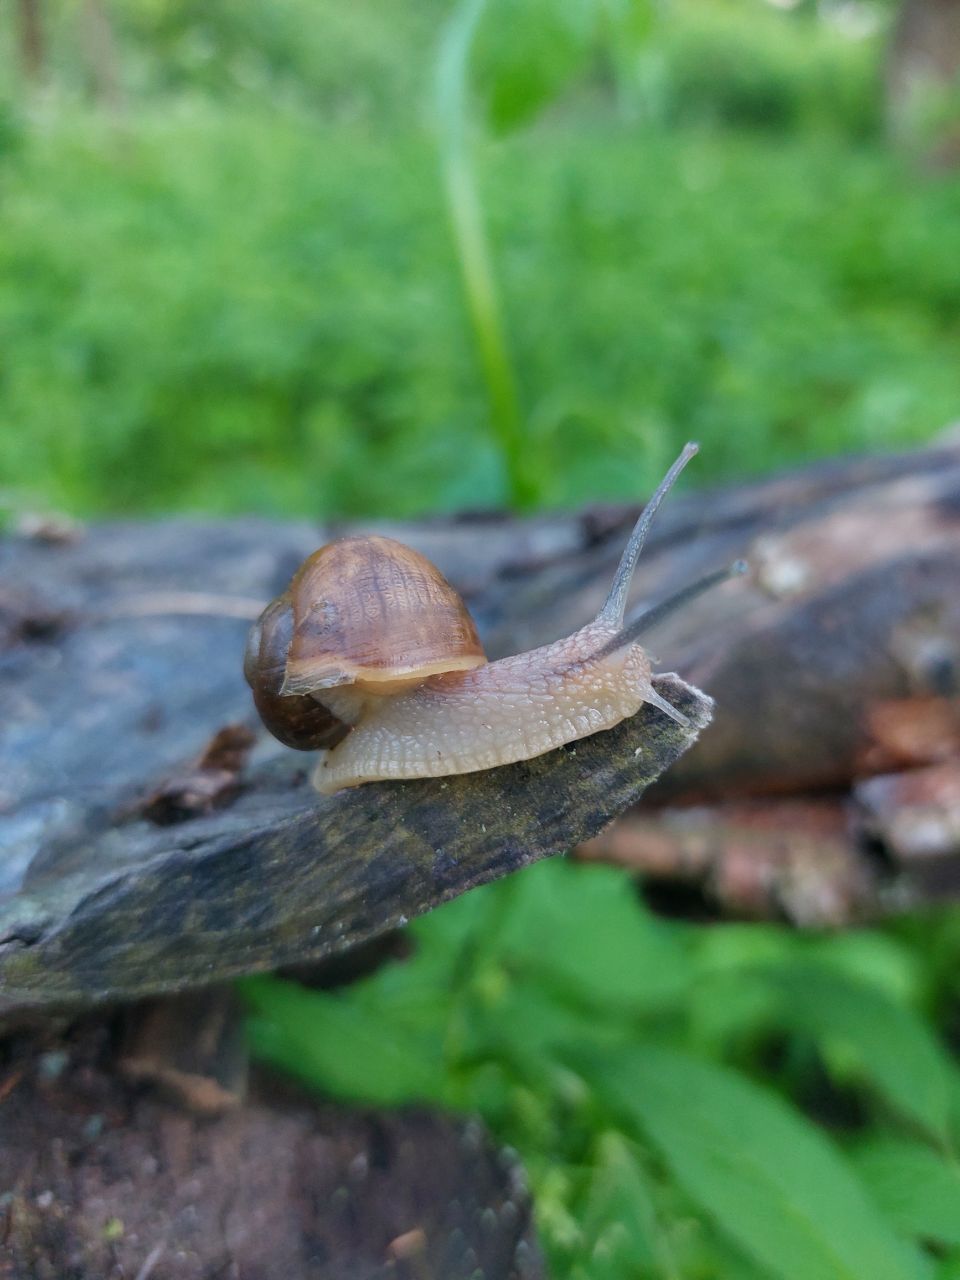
145 849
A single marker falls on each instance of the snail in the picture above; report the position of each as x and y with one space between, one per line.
372 655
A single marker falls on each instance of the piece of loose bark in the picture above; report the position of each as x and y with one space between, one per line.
208 784
140 852
285 876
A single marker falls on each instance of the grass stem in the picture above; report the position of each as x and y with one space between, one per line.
473 247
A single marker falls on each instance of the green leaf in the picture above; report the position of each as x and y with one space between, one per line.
526 53
618 1218
629 22
525 1025
866 955
918 1189
866 1034
769 1179
339 1047
584 931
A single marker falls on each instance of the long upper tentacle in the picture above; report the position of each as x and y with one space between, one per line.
615 605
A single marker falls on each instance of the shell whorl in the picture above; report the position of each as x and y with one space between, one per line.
298 721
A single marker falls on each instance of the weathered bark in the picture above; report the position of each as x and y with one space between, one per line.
32 46
130 871
923 80
283 877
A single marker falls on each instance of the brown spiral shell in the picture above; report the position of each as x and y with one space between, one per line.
366 612
369 611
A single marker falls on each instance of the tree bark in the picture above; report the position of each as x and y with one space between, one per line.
923 80
145 854
32 45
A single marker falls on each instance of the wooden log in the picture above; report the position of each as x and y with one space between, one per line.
853 603
141 854
838 659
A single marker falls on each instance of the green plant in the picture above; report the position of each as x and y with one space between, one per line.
736 1102
259 294
274 339
531 50
466 218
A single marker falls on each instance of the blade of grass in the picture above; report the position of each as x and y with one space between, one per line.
473 248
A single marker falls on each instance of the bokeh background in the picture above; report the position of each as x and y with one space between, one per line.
228 278
303 257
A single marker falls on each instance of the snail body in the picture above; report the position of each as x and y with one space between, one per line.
513 709
371 655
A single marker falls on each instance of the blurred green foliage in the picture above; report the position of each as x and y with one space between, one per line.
234 286
663 1081
750 67
240 290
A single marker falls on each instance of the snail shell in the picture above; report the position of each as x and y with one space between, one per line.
371 612
363 616
298 721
